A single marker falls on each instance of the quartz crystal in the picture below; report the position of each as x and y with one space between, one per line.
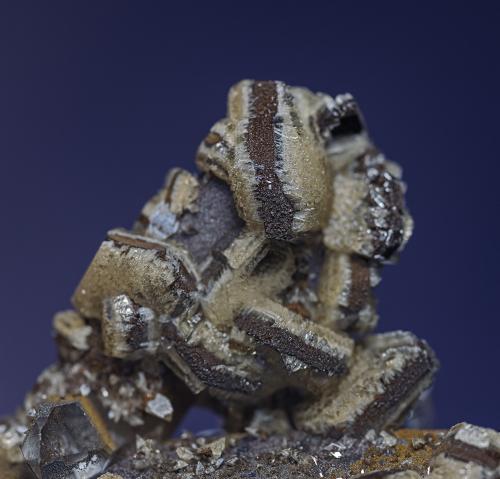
63 441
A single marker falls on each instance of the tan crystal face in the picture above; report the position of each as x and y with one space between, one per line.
269 150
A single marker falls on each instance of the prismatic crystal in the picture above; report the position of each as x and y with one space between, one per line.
247 287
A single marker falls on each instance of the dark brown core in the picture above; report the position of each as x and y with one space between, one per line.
262 141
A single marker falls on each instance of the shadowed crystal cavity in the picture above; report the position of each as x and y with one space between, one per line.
63 443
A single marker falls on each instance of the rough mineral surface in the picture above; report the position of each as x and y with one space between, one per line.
247 287
256 454
406 454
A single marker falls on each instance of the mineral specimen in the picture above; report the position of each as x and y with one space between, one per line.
248 288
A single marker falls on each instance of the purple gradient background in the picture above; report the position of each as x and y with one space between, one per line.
99 99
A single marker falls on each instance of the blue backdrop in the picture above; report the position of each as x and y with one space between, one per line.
99 99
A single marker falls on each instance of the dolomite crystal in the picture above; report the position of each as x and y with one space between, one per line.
246 287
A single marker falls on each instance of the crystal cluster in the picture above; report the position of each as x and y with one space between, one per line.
246 287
